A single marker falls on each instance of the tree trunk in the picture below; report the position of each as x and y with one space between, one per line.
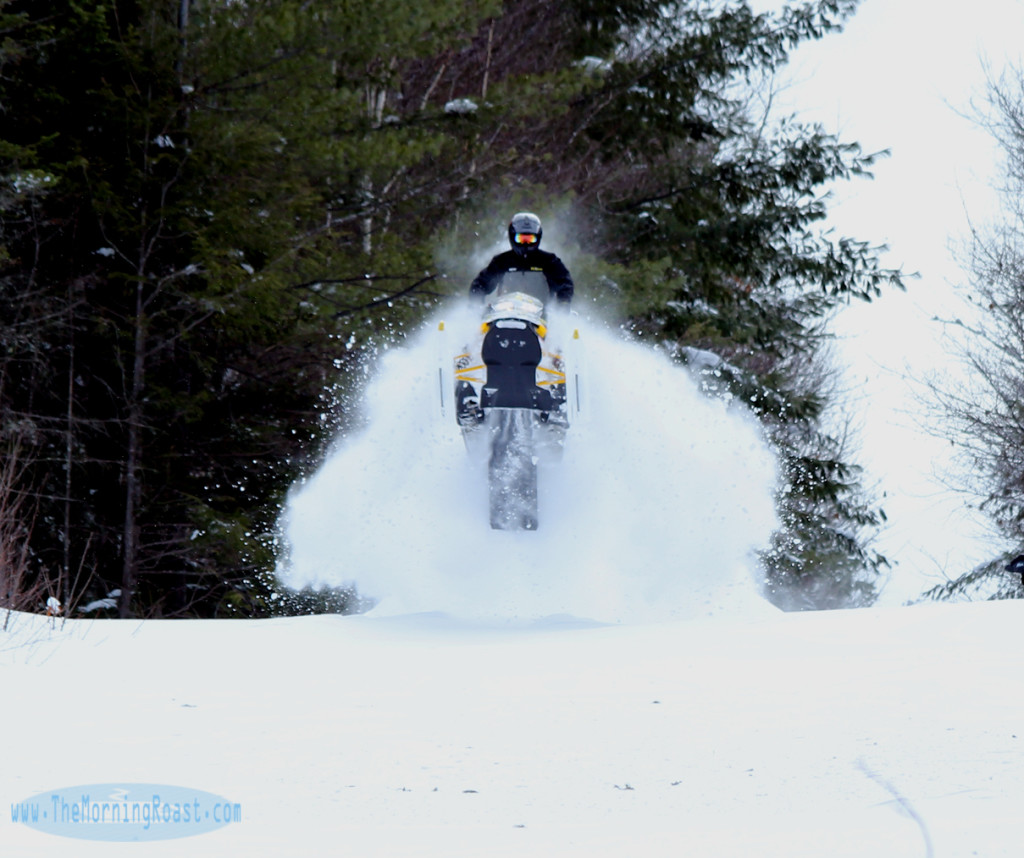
132 477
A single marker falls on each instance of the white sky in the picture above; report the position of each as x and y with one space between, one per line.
902 76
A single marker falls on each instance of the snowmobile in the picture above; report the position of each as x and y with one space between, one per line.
516 392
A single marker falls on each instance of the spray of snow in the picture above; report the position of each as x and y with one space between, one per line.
654 512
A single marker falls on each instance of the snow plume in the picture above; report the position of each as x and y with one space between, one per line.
654 512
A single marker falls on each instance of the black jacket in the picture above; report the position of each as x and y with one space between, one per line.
558 277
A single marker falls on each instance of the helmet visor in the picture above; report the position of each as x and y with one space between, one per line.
526 238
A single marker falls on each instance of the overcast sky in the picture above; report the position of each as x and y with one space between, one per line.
903 76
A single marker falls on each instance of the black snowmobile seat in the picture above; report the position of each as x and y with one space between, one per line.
511 355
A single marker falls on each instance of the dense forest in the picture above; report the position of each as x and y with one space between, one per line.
212 214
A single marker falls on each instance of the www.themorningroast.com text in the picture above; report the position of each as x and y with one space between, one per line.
112 812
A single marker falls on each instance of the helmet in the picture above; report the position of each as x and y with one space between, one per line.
524 232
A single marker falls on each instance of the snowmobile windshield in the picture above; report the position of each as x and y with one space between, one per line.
533 283
518 306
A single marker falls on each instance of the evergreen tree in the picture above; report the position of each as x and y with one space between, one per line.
702 215
181 176
213 214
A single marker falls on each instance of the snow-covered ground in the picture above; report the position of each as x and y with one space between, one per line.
885 732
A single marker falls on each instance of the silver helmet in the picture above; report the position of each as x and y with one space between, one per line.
524 232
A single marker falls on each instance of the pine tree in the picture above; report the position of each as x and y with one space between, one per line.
214 214
701 214
213 217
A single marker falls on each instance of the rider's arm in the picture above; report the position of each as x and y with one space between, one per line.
560 280
487 280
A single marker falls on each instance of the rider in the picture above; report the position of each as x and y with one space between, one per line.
524 233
